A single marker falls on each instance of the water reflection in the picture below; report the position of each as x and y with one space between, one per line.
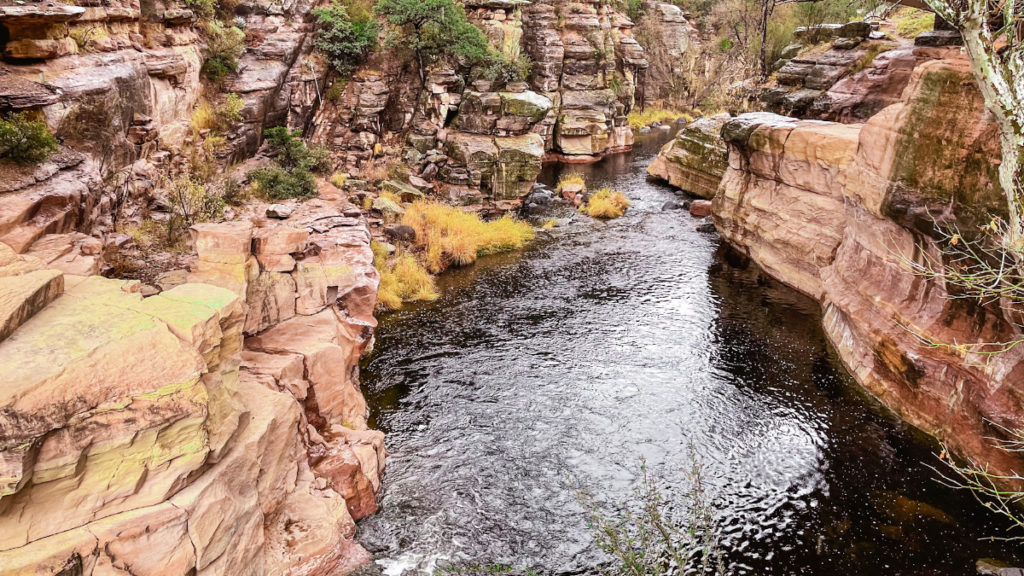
609 344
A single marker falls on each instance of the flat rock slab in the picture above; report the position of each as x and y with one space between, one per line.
22 296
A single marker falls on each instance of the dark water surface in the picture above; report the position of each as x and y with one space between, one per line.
609 344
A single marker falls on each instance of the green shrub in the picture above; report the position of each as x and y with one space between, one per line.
633 8
291 175
334 92
435 30
292 152
191 202
344 40
226 44
218 66
25 141
276 183
204 8
503 69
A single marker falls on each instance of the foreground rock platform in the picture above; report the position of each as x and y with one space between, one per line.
151 436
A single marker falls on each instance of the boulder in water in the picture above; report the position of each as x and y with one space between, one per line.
992 567
675 205
700 208
707 225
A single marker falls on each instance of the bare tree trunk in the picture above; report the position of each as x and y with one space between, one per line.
767 7
1002 98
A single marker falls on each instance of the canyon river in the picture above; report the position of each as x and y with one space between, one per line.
643 340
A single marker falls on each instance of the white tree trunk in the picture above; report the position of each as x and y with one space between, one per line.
1001 80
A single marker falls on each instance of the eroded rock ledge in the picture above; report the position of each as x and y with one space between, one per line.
151 436
831 209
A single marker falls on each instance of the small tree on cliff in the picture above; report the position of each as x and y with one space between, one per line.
434 30
343 39
992 33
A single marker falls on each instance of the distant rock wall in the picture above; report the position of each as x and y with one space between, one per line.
851 81
671 45
487 139
831 209
149 436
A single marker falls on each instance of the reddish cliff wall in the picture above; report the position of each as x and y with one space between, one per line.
833 210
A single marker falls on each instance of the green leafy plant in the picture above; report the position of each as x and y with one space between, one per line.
204 8
633 8
226 44
291 175
335 91
344 40
434 30
501 68
24 140
191 201
276 183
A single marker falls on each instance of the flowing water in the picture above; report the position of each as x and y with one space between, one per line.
644 340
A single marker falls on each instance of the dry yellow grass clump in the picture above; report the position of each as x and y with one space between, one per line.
448 236
606 204
638 119
402 279
572 178
391 196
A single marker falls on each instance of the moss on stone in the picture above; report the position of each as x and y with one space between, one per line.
934 164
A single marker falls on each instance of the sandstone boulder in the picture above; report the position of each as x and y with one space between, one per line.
696 159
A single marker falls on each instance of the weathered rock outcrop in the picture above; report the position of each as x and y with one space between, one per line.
834 210
587 61
851 81
149 436
117 82
695 160
488 139
671 43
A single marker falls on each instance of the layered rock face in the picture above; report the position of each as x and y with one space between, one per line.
117 82
695 160
670 44
491 137
586 60
584 74
836 211
854 79
150 436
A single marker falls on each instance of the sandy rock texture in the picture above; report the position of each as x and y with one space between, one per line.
695 160
117 83
214 428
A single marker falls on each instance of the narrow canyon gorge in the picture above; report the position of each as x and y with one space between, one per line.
398 287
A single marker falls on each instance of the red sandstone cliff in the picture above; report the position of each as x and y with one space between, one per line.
832 209
150 436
